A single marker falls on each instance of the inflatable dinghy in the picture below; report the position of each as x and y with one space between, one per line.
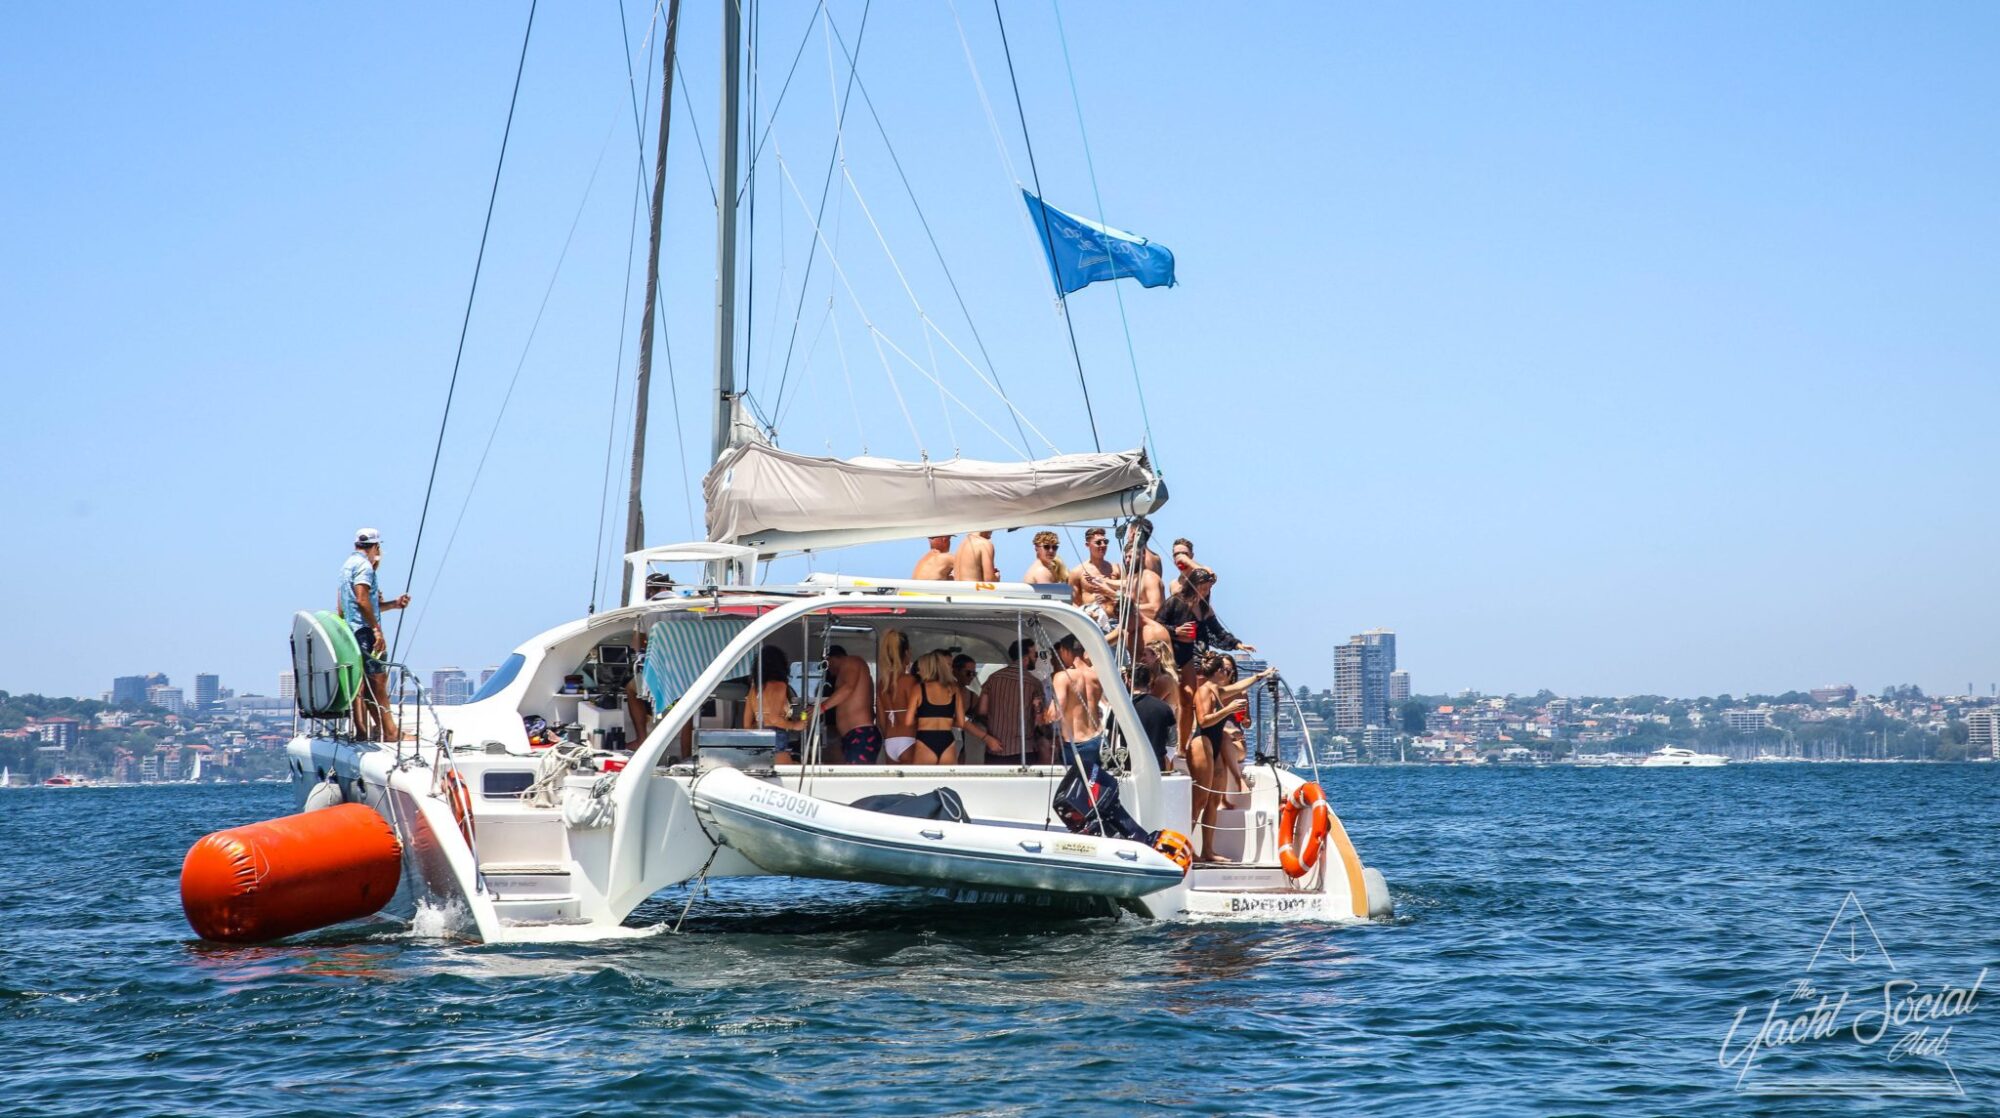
787 832
326 664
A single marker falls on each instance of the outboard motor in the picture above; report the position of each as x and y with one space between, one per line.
1087 803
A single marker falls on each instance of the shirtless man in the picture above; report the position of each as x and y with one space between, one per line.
1138 531
1046 570
935 566
852 707
1078 697
1093 584
1139 569
974 561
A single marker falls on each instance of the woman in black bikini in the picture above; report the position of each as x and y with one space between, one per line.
940 710
1205 748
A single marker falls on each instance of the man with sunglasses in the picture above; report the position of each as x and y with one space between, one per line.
1094 583
1047 569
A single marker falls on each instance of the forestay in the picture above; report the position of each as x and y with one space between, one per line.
775 500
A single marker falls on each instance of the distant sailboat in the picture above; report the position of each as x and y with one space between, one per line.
194 774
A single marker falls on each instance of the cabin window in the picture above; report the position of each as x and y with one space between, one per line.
505 785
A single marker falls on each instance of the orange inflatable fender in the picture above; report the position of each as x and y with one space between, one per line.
1308 797
284 876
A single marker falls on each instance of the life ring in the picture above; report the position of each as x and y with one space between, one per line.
1307 796
460 798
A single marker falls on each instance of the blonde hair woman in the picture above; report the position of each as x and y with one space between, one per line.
940 709
894 696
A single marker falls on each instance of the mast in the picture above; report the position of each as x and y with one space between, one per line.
635 516
725 230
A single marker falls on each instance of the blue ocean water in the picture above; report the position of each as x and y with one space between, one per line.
1568 941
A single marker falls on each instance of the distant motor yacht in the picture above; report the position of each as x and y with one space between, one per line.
1677 757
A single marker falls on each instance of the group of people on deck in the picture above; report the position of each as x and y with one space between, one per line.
1190 697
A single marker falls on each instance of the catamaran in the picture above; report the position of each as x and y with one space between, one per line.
607 760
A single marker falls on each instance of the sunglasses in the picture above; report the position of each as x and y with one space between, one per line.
1045 547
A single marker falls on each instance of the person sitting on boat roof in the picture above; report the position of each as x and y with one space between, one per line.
936 565
1048 568
771 702
852 707
1016 710
1093 583
1078 697
974 561
361 606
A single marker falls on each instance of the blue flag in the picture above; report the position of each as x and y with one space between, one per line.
1081 251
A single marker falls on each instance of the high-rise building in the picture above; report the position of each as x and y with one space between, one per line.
1349 707
1983 733
288 686
1361 671
166 698
1378 663
450 687
1399 686
132 688
207 691
487 673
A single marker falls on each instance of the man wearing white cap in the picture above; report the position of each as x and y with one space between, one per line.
361 605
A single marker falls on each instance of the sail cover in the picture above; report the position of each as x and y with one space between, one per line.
760 495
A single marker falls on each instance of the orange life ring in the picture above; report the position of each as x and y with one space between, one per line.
460 798
1308 795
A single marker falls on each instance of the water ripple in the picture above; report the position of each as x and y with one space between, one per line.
1567 942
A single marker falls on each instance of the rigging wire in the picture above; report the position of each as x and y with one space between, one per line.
826 188
881 339
1131 353
977 341
758 149
465 326
749 187
1048 242
430 593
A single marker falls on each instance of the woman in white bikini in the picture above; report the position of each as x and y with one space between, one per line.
895 696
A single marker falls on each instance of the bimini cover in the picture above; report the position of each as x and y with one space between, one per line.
758 489
681 647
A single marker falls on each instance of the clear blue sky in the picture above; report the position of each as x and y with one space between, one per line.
1602 347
